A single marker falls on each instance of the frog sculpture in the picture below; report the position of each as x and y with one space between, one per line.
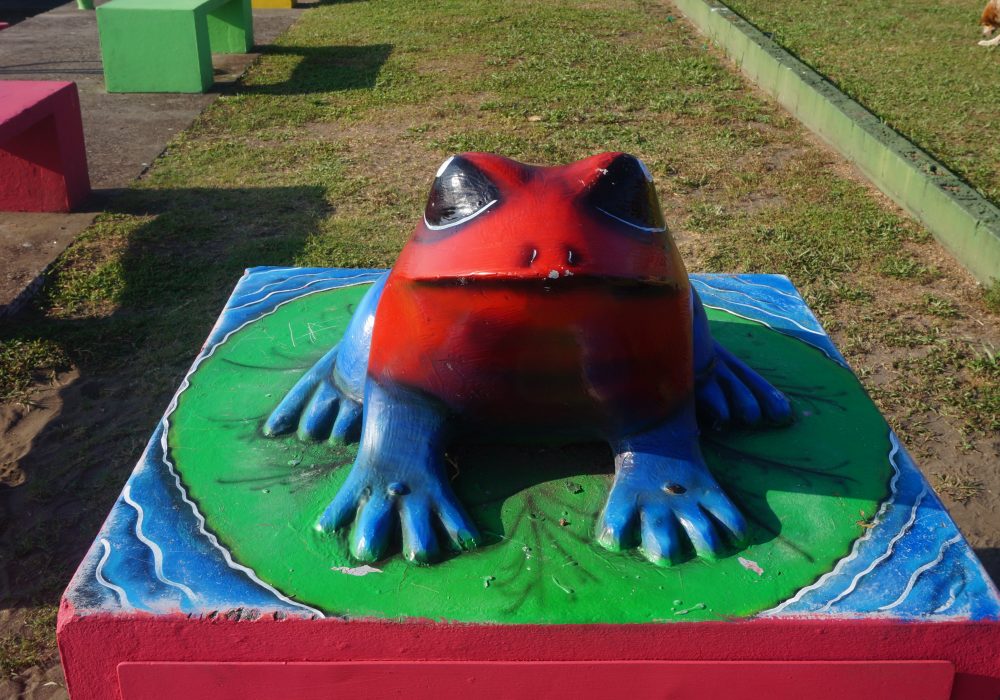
532 304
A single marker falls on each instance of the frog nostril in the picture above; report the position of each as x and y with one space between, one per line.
530 257
572 257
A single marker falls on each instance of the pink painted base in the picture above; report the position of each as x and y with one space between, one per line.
123 657
677 680
43 162
4 25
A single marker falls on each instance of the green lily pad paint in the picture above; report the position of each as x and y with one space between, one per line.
801 487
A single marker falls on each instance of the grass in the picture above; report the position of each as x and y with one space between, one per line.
32 644
958 487
992 297
915 63
323 155
26 361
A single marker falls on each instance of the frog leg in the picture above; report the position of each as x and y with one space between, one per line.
398 483
664 496
326 402
726 389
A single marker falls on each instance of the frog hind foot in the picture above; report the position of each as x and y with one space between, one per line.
726 389
315 408
664 499
398 489
732 392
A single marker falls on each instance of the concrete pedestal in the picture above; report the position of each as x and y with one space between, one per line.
209 581
43 161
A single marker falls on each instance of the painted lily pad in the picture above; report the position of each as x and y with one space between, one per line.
808 491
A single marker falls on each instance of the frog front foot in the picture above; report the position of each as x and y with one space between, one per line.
663 497
398 488
316 408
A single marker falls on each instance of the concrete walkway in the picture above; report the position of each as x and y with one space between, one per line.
124 132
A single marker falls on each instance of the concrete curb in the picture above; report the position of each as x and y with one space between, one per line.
961 219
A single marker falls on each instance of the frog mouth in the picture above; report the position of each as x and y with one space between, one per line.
556 282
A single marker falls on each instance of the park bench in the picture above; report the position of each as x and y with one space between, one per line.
43 163
167 45
273 4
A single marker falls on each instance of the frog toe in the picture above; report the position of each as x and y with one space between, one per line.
317 417
763 399
703 535
713 407
311 392
742 402
734 392
776 406
462 532
347 426
661 542
420 541
616 530
377 520
342 509
726 516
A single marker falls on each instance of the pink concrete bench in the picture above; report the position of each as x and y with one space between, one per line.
43 163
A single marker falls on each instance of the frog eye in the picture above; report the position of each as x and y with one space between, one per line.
625 192
460 192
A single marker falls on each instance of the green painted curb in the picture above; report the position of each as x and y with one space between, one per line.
961 219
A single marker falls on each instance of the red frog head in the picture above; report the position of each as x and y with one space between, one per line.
492 217
540 299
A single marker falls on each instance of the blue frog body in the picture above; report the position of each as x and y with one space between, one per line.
536 304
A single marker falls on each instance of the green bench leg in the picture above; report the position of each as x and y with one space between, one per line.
230 27
154 50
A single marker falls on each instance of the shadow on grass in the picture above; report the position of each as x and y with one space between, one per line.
165 261
324 69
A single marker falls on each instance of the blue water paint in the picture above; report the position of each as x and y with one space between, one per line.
154 553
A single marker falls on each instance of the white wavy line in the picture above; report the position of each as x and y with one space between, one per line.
283 281
822 349
916 574
856 549
185 383
744 282
882 557
769 313
311 274
647 229
295 289
723 290
444 166
214 541
275 269
952 597
122 595
155 548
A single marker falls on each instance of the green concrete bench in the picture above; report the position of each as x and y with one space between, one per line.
167 45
